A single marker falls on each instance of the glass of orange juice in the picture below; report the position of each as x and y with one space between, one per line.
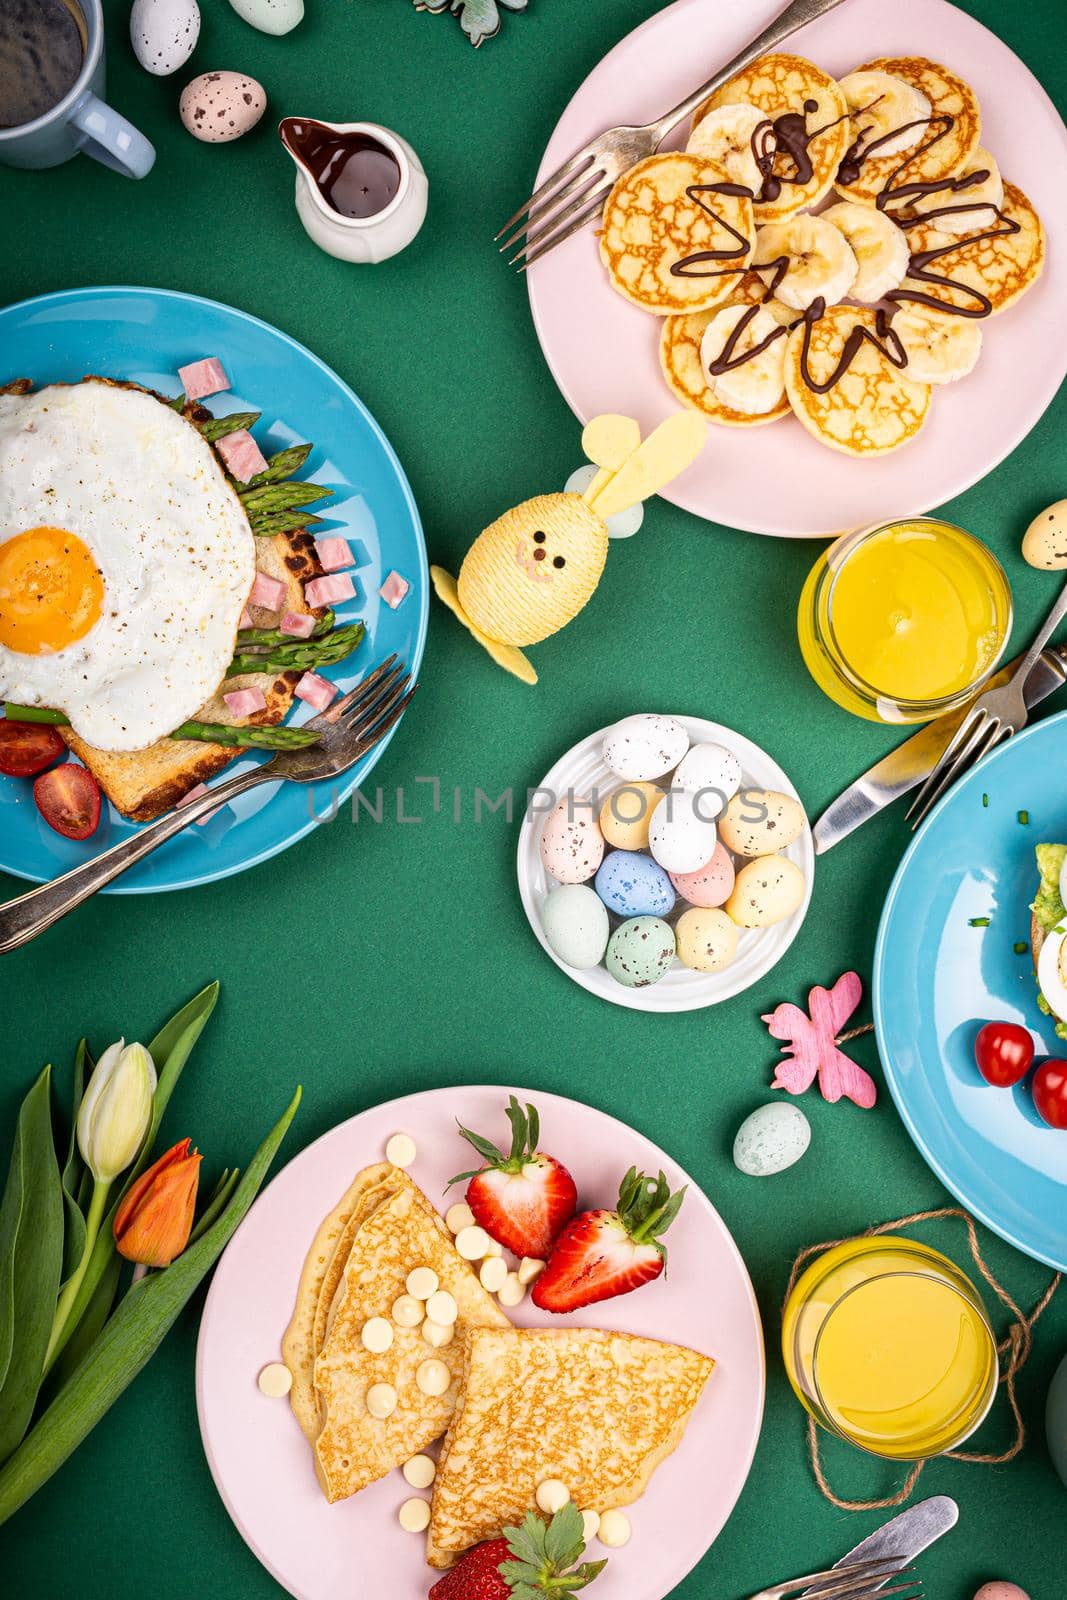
901 622
887 1344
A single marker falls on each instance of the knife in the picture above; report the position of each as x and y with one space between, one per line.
912 762
898 1541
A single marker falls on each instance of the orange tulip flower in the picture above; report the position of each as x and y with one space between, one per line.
153 1223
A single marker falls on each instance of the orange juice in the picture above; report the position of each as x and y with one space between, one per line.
887 1343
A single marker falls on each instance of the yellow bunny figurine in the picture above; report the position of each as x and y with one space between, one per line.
533 569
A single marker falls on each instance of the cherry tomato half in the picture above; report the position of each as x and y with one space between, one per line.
27 748
1004 1052
68 799
1050 1093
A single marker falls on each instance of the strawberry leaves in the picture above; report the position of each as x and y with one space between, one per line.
544 1556
647 1208
525 1132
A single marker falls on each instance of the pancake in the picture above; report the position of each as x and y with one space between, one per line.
948 95
782 83
653 223
599 1411
683 370
873 409
1001 269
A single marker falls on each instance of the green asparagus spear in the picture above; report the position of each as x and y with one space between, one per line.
219 427
300 655
264 636
279 738
282 522
16 713
283 465
282 496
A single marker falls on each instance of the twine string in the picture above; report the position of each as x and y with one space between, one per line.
1013 1352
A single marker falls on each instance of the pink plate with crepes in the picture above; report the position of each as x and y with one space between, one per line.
603 351
261 1461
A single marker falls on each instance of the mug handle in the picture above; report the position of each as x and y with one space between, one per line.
110 139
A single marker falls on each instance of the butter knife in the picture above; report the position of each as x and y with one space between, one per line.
912 762
898 1541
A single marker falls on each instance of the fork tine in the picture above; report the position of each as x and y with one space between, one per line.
539 245
365 714
382 727
359 693
982 741
583 158
854 1583
540 214
967 728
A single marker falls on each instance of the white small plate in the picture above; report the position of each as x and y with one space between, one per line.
583 769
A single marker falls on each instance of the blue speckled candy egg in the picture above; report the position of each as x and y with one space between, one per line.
576 925
633 885
640 951
770 1139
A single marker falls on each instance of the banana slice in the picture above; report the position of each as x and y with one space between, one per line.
880 248
972 205
821 260
940 347
727 136
880 104
753 387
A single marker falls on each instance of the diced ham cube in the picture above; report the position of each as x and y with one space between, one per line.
201 378
245 619
268 592
242 455
299 626
333 554
329 591
243 702
394 589
194 794
318 692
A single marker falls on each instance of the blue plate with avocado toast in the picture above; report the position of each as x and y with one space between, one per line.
953 952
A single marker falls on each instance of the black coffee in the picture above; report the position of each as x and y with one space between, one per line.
42 47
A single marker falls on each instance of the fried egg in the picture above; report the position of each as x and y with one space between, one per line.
126 559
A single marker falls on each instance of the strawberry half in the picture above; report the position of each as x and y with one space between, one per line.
601 1254
521 1199
524 1563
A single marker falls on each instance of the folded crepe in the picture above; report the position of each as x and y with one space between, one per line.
599 1411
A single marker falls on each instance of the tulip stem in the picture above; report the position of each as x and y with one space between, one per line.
68 1293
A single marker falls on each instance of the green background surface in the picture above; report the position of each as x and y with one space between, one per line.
371 961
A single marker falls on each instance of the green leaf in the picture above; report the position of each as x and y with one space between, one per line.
527 1541
565 1537
95 1315
75 1170
31 1260
220 1199
127 1342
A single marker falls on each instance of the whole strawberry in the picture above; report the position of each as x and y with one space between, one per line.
601 1254
521 1199
525 1563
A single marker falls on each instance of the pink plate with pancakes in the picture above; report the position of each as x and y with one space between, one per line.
778 479
260 1460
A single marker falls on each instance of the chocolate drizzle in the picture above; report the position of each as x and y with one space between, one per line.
689 266
881 337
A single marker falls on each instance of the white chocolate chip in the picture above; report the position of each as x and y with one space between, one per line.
472 1243
442 1308
552 1496
275 1380
422 1282
376 1335
420 1472
401 1150
495 1248
437 1335
414 1515
433 1377
614 1529
494 1271
458 1217
590 1524
381 1400
530 1268
407 1311
512 1292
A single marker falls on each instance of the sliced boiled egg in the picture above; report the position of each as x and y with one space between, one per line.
1052 970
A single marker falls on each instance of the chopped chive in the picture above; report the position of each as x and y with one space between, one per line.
978 922
985 799
1020 947
1024 817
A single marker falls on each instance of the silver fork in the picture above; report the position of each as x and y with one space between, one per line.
994 717
347 729
857 1580
602 162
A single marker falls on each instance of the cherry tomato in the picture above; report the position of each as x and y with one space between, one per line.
68 799
1004 1052
27 748
1050 1093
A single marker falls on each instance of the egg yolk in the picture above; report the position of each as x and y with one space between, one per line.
51 591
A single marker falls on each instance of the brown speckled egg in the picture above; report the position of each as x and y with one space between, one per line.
1045 540
220 106
572 845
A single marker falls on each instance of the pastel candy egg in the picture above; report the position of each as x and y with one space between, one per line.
645 746
710 885
712 771
1045 540
633 885
771 1138
624 816
270 16
766 891
572 845
624 524
164 34
707 940
681 832
758 822
640 951
220 106
999 1590
576 925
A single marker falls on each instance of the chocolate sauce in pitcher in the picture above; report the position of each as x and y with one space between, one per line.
357 175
